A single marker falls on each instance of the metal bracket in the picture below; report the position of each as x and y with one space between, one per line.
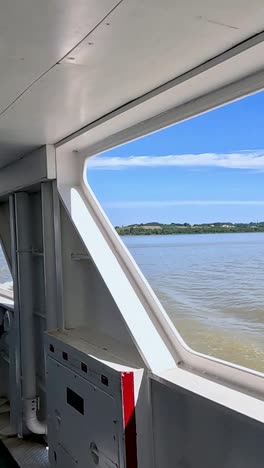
77 257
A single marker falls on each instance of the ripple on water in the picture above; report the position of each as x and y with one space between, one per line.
212 288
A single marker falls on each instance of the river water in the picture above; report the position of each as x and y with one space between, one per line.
212 287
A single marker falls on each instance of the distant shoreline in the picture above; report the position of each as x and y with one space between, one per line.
187 229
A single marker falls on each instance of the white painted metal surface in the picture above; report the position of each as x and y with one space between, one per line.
133 311
88 389
218 81
38 35
33 169
79 61
133 305
191 431
95 435
85 76
213 391
82 205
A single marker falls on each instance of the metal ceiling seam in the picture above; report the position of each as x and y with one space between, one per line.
90 32
59 61
203 67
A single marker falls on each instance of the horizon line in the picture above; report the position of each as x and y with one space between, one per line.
163 203
189 224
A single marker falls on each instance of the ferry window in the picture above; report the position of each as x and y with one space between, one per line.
188 202
6 281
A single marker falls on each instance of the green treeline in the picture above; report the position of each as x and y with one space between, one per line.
155 228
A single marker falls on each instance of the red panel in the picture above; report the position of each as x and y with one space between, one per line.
129 416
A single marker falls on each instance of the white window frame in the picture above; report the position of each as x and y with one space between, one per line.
133 121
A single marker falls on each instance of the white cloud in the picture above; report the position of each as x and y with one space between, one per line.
163 203
237 160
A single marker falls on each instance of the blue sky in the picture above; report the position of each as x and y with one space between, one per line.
207 169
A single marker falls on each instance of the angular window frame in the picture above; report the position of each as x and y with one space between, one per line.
116 129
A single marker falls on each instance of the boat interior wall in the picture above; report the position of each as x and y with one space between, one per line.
110 258
30 299
201 433
30 170
84 290
38 292
51 254
136 302
110 376
72 272
31 314
79 77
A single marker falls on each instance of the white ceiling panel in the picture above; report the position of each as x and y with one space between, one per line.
56 78
227 80
143 44
36 34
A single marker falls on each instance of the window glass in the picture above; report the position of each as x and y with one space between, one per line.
6 281
188 202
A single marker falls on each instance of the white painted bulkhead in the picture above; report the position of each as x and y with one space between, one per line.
88 302
80 78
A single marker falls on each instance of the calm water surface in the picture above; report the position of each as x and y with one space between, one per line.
212 287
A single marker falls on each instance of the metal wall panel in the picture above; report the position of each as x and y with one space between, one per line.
192 432
76 403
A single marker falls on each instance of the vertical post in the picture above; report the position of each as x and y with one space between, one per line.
58 254
25 291
49 250
24 223
15 391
